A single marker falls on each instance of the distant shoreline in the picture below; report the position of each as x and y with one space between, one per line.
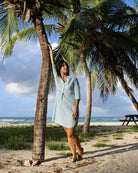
30 120
54 124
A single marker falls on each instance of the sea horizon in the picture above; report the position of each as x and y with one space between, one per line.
30 120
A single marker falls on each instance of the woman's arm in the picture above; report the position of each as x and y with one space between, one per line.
51 54
75 114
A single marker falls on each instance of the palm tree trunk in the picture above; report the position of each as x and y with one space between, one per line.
128 91
41 108
89 95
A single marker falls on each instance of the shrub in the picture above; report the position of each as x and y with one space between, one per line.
16 143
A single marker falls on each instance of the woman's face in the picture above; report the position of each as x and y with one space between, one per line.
64 69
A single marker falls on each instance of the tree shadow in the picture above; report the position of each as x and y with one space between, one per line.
114 150
108 151
56 158
104 130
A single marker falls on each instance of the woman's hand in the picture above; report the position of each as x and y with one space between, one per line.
51 54
50 47
75 114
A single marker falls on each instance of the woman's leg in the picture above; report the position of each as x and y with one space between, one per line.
76 142
73 143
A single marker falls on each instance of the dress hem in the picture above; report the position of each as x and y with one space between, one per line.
66 126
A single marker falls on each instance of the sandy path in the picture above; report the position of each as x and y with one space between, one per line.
123 158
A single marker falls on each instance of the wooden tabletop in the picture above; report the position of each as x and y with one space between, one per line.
131 115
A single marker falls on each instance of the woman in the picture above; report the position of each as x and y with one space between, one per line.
66 110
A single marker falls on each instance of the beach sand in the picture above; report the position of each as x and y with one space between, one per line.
123 158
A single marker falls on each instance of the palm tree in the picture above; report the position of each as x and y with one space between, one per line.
120 69
105 16
12 12
70 26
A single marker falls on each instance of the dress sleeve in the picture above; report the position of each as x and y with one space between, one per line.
54 72
76 89
56 77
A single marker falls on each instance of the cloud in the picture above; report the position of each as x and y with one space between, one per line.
54 45
23 65
19 90
20 73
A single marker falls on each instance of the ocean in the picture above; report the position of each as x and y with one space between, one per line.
30 120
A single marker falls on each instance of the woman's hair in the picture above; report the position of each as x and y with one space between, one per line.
59 65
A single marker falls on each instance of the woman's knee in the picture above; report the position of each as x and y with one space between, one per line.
70 133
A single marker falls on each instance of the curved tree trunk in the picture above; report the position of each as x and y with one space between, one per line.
41 109
128 91
89 95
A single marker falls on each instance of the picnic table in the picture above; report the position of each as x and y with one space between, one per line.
130 118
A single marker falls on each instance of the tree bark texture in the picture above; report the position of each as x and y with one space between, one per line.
88 95
42 98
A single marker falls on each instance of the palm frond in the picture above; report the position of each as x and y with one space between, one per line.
8 29
76 6
119 39
107 82
94 78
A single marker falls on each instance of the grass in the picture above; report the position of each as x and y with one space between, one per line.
118 135
105 140
105 130
21 137
90 136
25 132
17 143
103 145
119 131
57 147
87 138
64 154
135 128
53 133
118 138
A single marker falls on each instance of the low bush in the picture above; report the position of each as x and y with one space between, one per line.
16 143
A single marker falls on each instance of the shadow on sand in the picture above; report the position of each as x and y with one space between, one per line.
102 152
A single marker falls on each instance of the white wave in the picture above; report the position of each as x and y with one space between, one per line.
10 120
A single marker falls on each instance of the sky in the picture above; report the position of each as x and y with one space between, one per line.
19 80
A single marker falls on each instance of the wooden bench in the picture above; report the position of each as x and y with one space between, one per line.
130 118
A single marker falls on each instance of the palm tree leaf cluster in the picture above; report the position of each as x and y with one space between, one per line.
100 32
14 14
103 35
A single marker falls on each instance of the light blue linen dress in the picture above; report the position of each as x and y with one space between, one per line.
66 93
